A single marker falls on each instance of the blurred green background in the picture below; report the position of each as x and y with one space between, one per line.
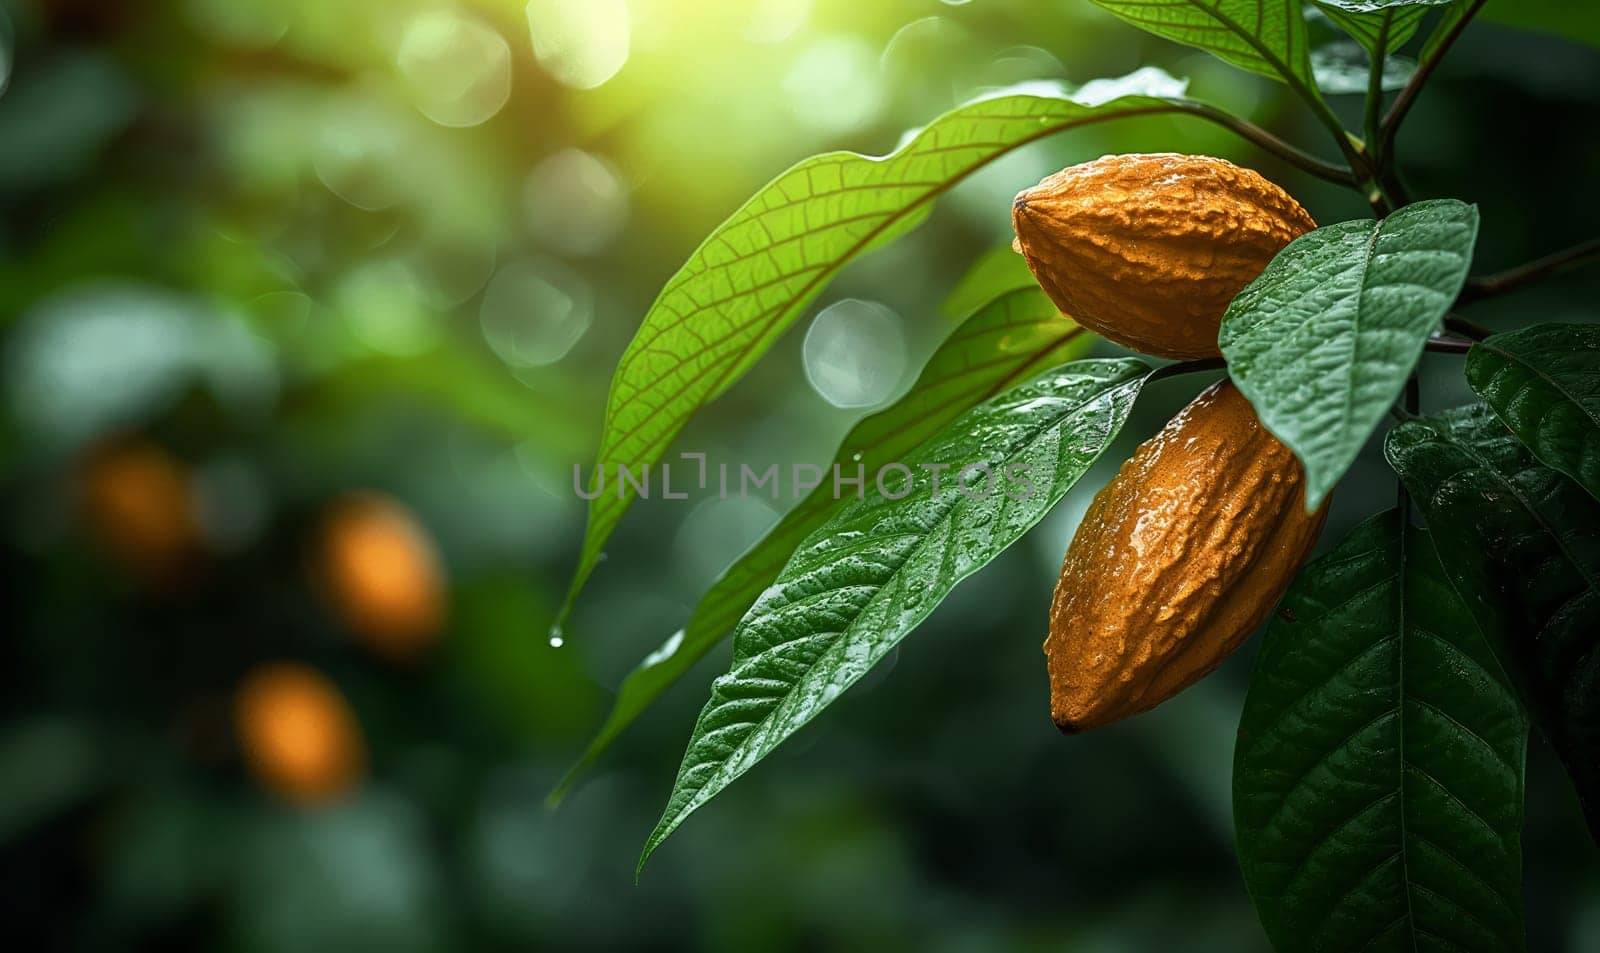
265 264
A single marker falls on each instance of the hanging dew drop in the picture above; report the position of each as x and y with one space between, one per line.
557 639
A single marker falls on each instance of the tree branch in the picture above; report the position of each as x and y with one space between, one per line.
1456 324
1540 268
1408 95
1286 151
1448 344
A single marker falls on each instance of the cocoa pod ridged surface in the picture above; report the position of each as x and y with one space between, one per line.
1178 560
1148 250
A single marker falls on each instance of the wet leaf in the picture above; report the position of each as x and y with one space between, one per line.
879 566
1378 779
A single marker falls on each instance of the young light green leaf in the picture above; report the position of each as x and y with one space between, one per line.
997 271
881 564
1006 342
1378 777
1524 540
1323 341
1267 37
1544 383
1375 24
759 270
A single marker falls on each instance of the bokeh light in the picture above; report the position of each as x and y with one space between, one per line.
453 267
835 85
774 21
457 68
385 304
364 154
855 353
534 312
583 44
575 202
105 355
247 23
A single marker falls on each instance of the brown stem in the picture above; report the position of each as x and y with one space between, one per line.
1283 149
1467 329
1408 95
1442 344
1513 278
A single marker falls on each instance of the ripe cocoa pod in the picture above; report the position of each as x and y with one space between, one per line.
138 501
1178 560
1148 250
298 735
381 573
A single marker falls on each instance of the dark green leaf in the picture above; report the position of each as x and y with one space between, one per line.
1453 18
760 269
1267 37
1525 541
1379 771
1006 342
1323 341
1544 383
879 566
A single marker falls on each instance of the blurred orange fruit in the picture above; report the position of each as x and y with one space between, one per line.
299 737
139 503
380 571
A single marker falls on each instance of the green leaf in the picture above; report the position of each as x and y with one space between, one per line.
1323 341
1267 37
997 271
1544 383
1372 23
1003 344
1524 540
758 271
1378 776
879 566
1448 25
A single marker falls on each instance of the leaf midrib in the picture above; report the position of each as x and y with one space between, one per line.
1291 78
1512 357
1485 465
813 285
939 529
1402 601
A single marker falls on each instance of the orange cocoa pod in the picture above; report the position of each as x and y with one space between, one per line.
1149 250
138 501
382 575
1178 560
297 733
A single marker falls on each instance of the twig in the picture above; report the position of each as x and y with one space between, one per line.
1396 187
1284 150
1467 329
1441 344
1513 278
1408 95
